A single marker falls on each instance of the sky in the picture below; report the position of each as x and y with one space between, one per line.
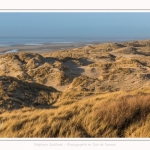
75 25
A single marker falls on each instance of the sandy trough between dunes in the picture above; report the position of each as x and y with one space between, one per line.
76 88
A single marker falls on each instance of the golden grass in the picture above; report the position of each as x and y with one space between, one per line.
118 114
88 104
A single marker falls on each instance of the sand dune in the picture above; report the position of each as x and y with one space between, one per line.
69 84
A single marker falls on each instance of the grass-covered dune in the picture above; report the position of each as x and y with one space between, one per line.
98 90
117 114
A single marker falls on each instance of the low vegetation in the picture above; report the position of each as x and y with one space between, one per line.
93 91
117 114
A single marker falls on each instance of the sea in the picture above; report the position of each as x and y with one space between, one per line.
31 41
12 41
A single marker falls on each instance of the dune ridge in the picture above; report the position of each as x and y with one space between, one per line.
100 90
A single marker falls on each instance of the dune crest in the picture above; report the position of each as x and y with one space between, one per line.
77 86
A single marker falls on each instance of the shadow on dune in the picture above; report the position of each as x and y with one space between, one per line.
75 65
16 94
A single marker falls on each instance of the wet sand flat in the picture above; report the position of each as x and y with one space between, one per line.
45 48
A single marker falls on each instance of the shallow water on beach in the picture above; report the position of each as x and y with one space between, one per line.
12 51
4 42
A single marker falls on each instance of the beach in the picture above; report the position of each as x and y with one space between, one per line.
39 48
47 46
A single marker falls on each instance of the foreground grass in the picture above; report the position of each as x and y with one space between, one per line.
118 114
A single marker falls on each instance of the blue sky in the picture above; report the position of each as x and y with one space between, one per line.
75 25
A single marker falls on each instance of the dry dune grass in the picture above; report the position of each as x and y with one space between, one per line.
126 115
15 94
94 91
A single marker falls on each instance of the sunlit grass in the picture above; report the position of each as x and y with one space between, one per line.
118 114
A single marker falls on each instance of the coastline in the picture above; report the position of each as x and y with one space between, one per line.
36 47
41 48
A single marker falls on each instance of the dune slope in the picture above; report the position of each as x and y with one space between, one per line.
94 91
